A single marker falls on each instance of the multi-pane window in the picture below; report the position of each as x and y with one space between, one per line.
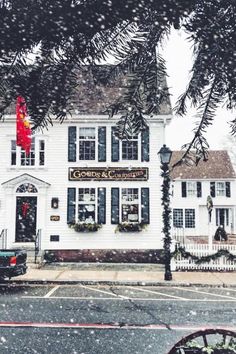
191 189
28 160
36 157
129 205
26 188
87 139
220 189
189 218
130 148
178 217
87 205
184 218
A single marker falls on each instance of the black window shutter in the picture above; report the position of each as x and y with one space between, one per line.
71 192
101 205
199 189
227 187
115 146
145 206
212 189
217 217
72 144
184 190
102 144
115 205
145 145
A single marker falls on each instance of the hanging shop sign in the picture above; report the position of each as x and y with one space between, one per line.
108 174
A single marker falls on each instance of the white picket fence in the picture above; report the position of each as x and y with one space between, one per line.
221 263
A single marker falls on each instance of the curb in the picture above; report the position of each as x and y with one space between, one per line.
112 282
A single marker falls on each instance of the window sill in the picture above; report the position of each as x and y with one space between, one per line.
23 168
128 231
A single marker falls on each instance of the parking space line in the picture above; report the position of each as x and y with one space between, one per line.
51 291
73 298
230 289
205 293
103 291
156 292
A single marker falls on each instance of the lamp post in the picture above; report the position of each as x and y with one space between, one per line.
165 157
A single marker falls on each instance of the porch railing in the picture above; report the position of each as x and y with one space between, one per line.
178 235
3 239
37 244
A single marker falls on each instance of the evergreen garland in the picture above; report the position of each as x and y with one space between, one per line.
130 227
204 259
85 227
166 214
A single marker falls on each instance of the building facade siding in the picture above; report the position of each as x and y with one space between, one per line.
51 181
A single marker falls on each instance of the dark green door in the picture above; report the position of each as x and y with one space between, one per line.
26 215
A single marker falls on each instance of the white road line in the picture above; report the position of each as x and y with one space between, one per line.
205 293
156 292
121 298
51 291
229 289
103 291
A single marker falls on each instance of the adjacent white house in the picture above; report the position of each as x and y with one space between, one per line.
80 172
191 186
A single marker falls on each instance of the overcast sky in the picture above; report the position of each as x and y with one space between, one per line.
178 55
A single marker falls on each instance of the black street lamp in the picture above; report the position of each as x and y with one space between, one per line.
165 157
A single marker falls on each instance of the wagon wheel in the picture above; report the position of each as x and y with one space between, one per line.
205 338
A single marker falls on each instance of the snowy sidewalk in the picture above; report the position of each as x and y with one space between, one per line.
123 274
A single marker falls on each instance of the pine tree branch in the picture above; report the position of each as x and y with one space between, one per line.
197 148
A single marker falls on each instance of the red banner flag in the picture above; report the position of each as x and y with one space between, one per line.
23 130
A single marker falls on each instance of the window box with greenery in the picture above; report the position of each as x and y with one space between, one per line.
130 227
85 227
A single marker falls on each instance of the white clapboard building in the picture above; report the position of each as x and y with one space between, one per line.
191 187
84 191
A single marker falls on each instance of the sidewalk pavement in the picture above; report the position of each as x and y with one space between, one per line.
121 274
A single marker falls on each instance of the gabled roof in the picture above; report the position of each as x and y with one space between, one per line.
93 97
25 178
218 166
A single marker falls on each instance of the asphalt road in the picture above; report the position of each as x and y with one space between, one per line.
85 319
